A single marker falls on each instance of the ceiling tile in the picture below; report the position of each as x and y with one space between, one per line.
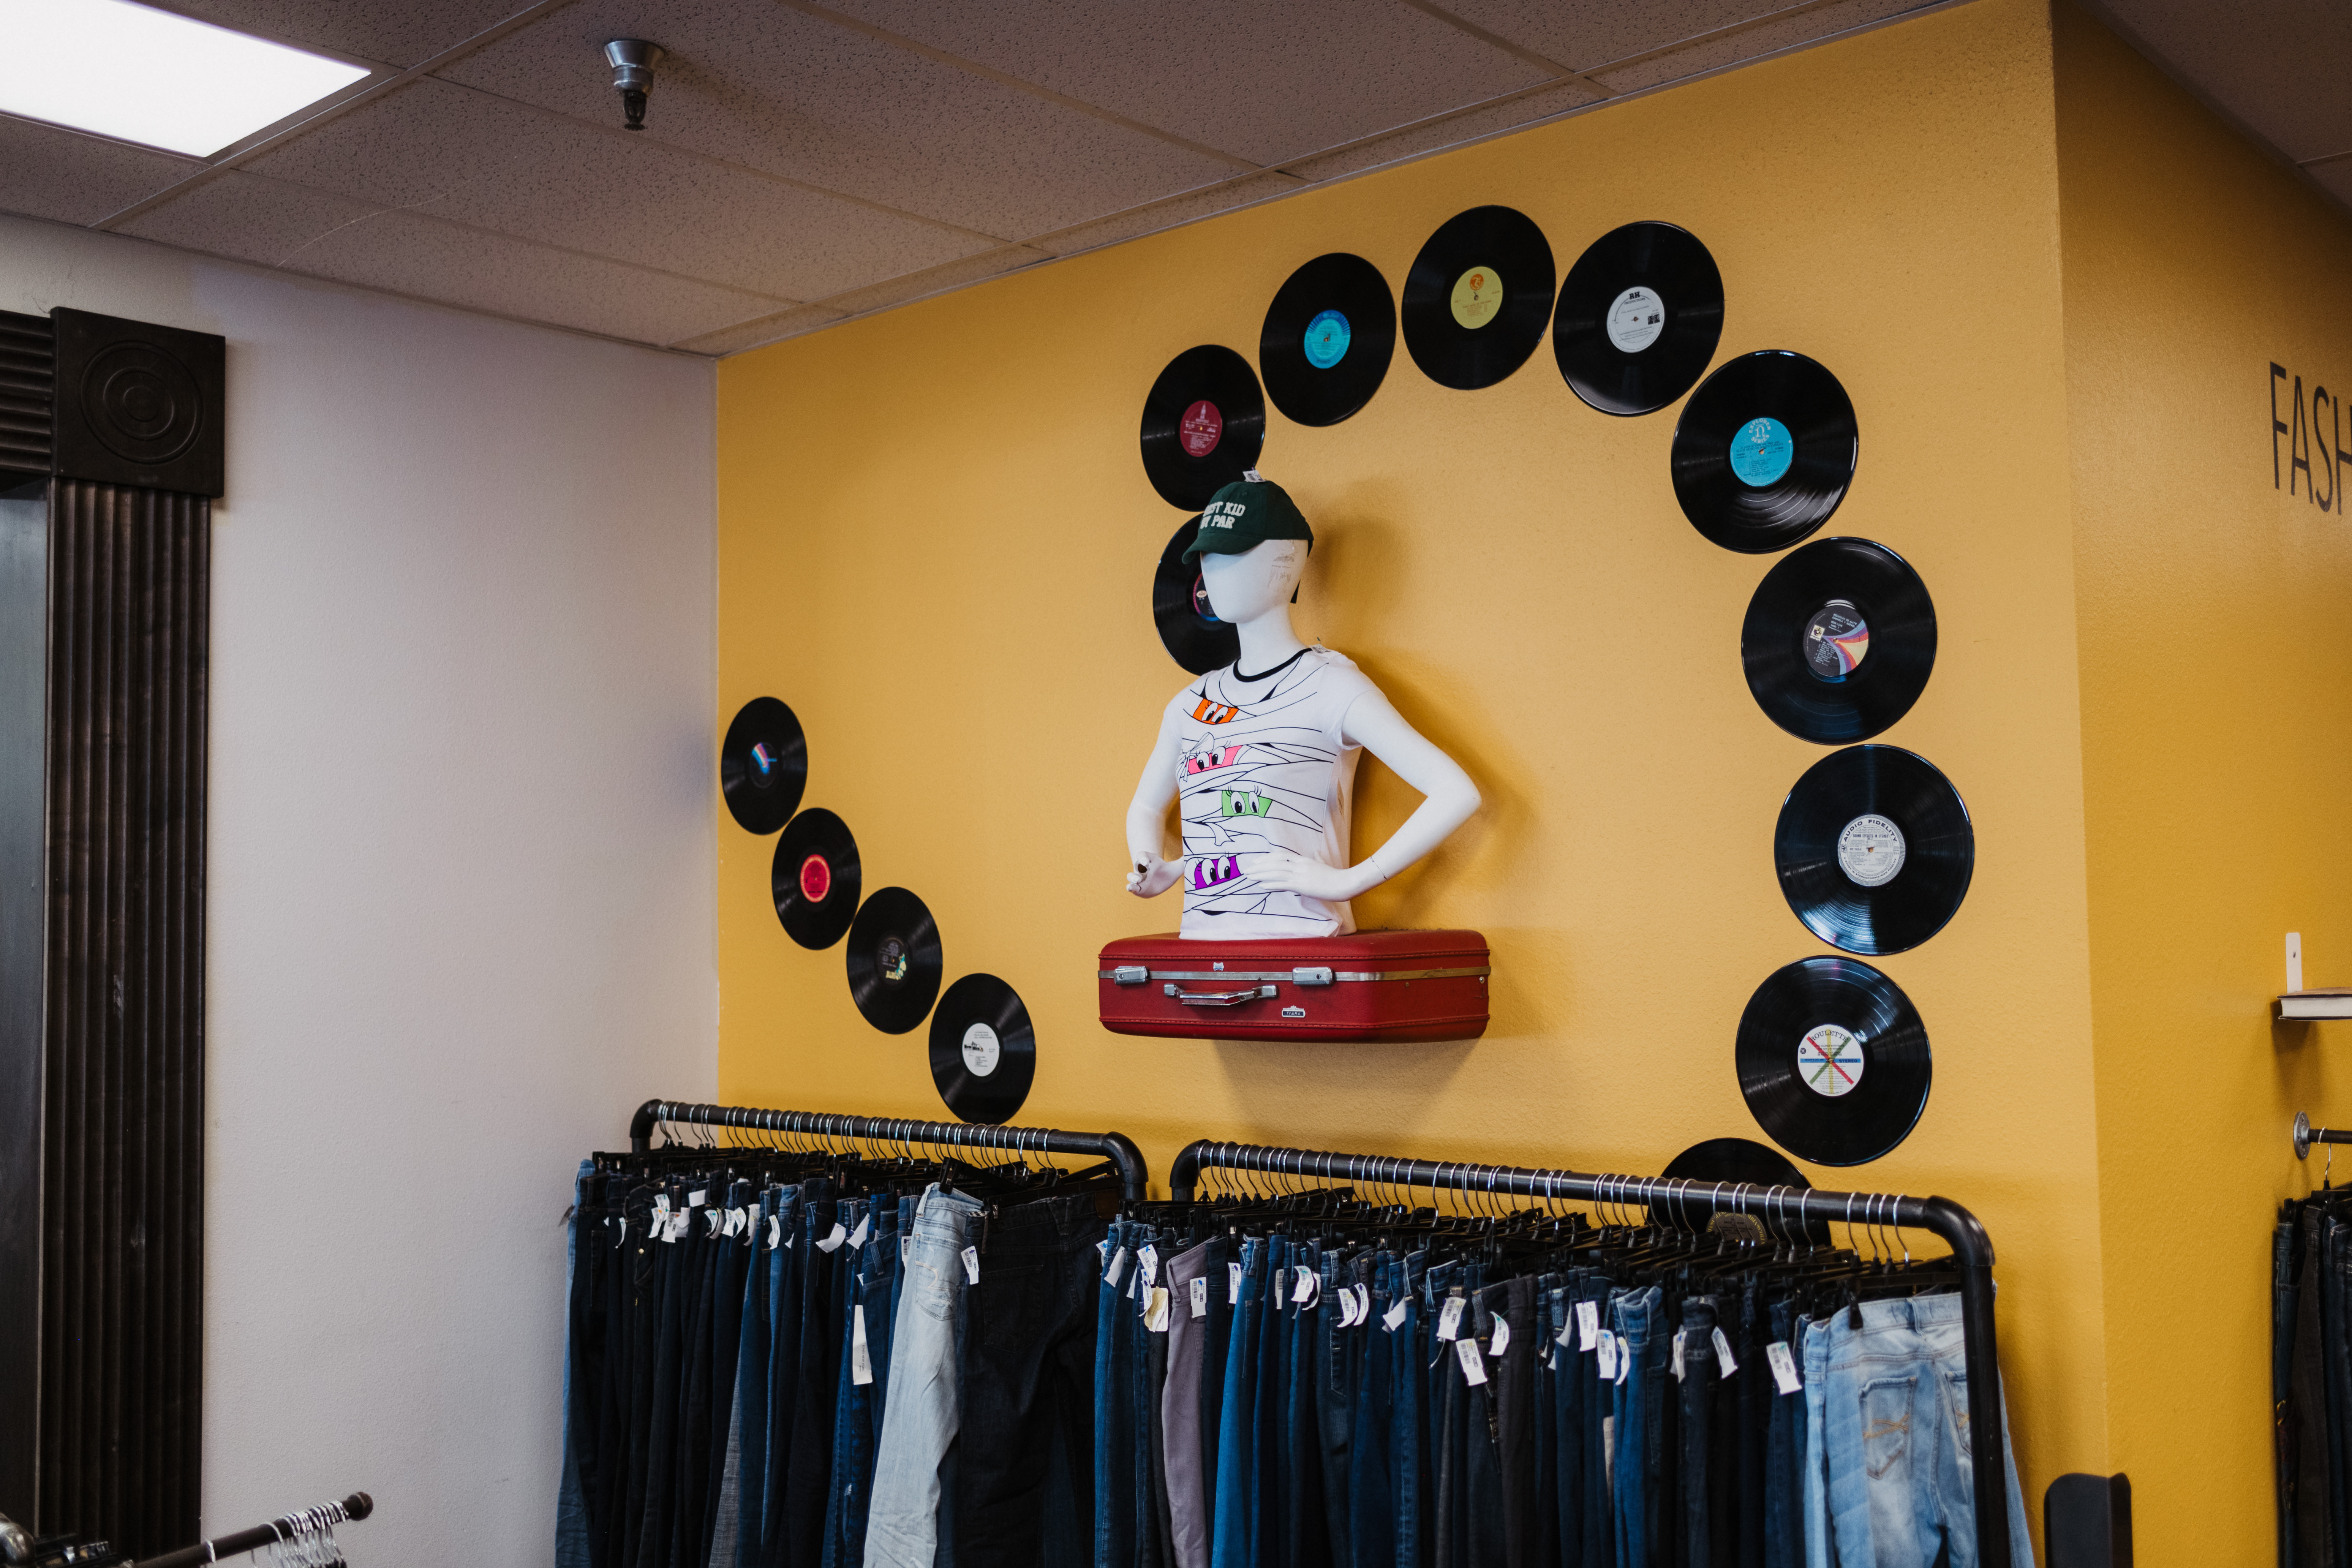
48 173
750 334
1169 214
248 218
773 89
393 32
1451 132
1286 82
936 279
2280 67
1777 32
1582 33
454 153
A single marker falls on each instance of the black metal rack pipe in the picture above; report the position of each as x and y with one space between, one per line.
359 1505
1134 1175
1971 1250
2305 1135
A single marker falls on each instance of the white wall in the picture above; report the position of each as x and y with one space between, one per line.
461 867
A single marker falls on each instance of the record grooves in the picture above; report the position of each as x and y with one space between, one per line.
1765 451
814 877
1328 339
894 961
763 765
1640 315
1203 425
1874 849
1188 623
1839 640
984 1051
1833 1061
1478 298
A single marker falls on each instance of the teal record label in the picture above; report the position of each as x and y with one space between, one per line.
1761 452
1326 339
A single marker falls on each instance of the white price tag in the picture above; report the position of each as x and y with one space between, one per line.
1118 1269
1309 1287
1393 1319
1723 1356
1150 1259
1449 1318
1624 1358
1473 1365
861 1362
716 1220
865 1228
1363 1305
1200 1294
694 1200
1784 1367
1588 1324
1501 1339
1608 1345
1233 1284
1155 1309
1678 1355
775 1231
971 1264
833 1239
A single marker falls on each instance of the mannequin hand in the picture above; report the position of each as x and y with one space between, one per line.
1282 870
1155 877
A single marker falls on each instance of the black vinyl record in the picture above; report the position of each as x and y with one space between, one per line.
983 1052
1764 452
1874 849
1737 1162
1203 425
1638 317
894 961
815 879
1839 640
763 765
1328 339
1189 627
1833 1061
1478 297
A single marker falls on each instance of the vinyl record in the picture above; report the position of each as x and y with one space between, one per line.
1833 1061
1764 451
983 1052
1477 298
1839 640
1638 317
1189 627
1737 1162
894 961
1328 339
763 765
1874 849
814 877
1203 425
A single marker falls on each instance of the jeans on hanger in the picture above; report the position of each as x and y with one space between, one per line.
743 1469
570 1489
731 1266
923 1404
1511 1385
1639 1322
859 1415
1338 1377
806 1475
1372 1510
1120 1447
1180 1409
1216 1333
1270 1505
649 1541
1784 1514
1304 1526
1696 1375
1896 1443
1028 1374
1232 1540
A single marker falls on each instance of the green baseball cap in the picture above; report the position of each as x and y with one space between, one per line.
1246 513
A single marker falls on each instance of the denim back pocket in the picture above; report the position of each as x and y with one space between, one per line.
1886 1423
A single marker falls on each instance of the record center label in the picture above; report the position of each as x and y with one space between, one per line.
816 879
1837 639
763 764
1328 337
1201 428
891 960
1477 295
1200 606
1761 452
980 1050
1870 851
1829 1060
1637 319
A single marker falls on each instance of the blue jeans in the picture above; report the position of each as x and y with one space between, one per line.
1639 1319
1231 1542
857 1420
923 1398
1895 1405
1784 1450
1123 1506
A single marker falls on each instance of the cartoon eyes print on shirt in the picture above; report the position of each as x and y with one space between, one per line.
1206 711
1243 802
1215 870
1208 759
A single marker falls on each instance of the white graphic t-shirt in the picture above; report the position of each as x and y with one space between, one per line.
1263 767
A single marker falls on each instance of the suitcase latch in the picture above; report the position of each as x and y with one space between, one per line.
1317 975
1219 998
1130 974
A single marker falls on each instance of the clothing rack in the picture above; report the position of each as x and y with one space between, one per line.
2305 1135
1134 1175
1777 1206
359 1505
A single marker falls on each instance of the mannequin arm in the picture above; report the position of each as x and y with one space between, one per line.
1148 876
1448 799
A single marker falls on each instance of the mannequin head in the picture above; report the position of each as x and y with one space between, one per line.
1247 585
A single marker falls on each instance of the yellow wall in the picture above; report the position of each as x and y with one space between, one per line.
935 542
2217 712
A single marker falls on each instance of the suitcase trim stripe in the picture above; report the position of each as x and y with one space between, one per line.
1138 975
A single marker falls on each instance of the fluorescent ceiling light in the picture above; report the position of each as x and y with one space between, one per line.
138 74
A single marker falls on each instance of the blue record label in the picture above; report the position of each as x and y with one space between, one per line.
1761 452
1326 339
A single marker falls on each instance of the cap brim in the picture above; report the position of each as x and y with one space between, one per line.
1221 544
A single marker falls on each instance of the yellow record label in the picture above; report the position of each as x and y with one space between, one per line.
1477 295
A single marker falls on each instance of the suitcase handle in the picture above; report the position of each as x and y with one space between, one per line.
1220 998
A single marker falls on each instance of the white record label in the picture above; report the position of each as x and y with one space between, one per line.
1635 320
1870 851
1829 1060
980 1051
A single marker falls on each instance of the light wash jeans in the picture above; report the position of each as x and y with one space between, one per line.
921 1409
1894 1405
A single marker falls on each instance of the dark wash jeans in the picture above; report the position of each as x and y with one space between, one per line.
1028 1389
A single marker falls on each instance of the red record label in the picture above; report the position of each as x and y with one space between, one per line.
816 879
1202 428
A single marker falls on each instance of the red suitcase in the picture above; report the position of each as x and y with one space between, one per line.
1371 986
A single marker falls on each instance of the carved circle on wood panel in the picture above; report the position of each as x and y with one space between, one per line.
141 404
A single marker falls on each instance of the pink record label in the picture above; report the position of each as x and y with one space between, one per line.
816 879
1201 429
